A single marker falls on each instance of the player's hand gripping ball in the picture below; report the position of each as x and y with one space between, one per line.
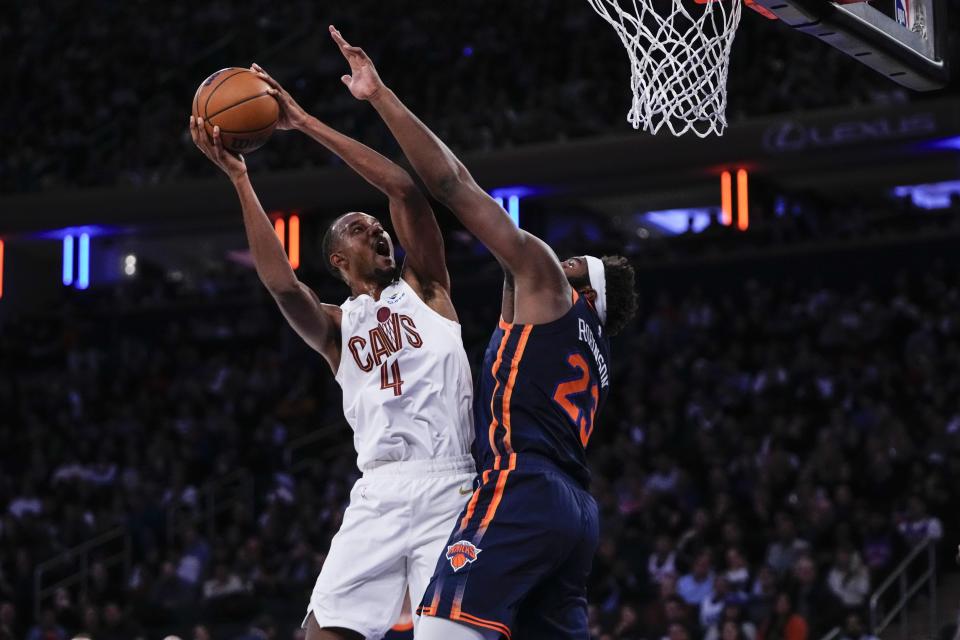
241 104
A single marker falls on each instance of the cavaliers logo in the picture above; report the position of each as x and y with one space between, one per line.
461 553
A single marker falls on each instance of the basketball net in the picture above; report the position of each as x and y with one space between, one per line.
679 61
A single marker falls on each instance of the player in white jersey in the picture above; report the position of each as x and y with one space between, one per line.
395 348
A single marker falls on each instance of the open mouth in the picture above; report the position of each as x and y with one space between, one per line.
382 248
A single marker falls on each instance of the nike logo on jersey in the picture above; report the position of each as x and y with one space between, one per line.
465 492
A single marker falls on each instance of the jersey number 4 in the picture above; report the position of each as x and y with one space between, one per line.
579 397
385 374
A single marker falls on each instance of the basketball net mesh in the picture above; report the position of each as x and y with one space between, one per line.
679 61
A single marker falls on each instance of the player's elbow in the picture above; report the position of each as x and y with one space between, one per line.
283 289
447 186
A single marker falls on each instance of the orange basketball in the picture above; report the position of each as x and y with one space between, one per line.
237 101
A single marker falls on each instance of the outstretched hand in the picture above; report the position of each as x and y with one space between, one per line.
292 115
363 80
231 164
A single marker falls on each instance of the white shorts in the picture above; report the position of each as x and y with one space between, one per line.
393 532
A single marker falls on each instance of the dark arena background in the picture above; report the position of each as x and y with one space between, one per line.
780 455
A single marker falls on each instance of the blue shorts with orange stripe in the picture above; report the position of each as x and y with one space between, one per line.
518 561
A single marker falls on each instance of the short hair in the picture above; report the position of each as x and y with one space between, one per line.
621 293
328 246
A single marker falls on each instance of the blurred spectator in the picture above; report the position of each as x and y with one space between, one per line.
262 628
169 592
733 615
117 625
566 90
8 620
811 597
783 623
782 554
779 422
91 621
849 579
66 615
47 628
663 561
763 594
918 525
696 586
223 583
853 629
629 624
878 543
712 607
738 572
194 559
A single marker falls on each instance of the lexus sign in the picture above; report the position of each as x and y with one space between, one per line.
788 135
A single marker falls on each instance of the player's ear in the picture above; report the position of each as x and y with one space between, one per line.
338 260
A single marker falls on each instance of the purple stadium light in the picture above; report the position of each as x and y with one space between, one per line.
944 144
929 196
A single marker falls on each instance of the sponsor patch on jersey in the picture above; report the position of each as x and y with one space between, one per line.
395 297
462 553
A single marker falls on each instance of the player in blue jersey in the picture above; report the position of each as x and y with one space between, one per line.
517 563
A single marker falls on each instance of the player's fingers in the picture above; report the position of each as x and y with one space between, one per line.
217 143
346 79
201 137
270 81
263 75
338 37
193 130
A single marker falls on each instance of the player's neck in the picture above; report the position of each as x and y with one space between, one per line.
370 288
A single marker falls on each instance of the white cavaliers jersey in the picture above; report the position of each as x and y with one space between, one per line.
407 388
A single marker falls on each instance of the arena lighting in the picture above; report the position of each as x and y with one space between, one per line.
930 196
295 241
509 199
943 144
93 230
726 198
677 221
278 226
67 261
743 202
130 265
83 266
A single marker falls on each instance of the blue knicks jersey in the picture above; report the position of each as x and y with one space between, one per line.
540 390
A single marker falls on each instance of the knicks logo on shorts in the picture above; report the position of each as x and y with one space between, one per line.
461 553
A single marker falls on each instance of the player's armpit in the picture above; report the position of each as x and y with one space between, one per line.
433 294
317 323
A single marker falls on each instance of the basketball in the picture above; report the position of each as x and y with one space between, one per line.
239 102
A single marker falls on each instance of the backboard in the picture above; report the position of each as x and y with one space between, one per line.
905 41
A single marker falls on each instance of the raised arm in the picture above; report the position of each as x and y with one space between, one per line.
543 293
318 324
410 211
